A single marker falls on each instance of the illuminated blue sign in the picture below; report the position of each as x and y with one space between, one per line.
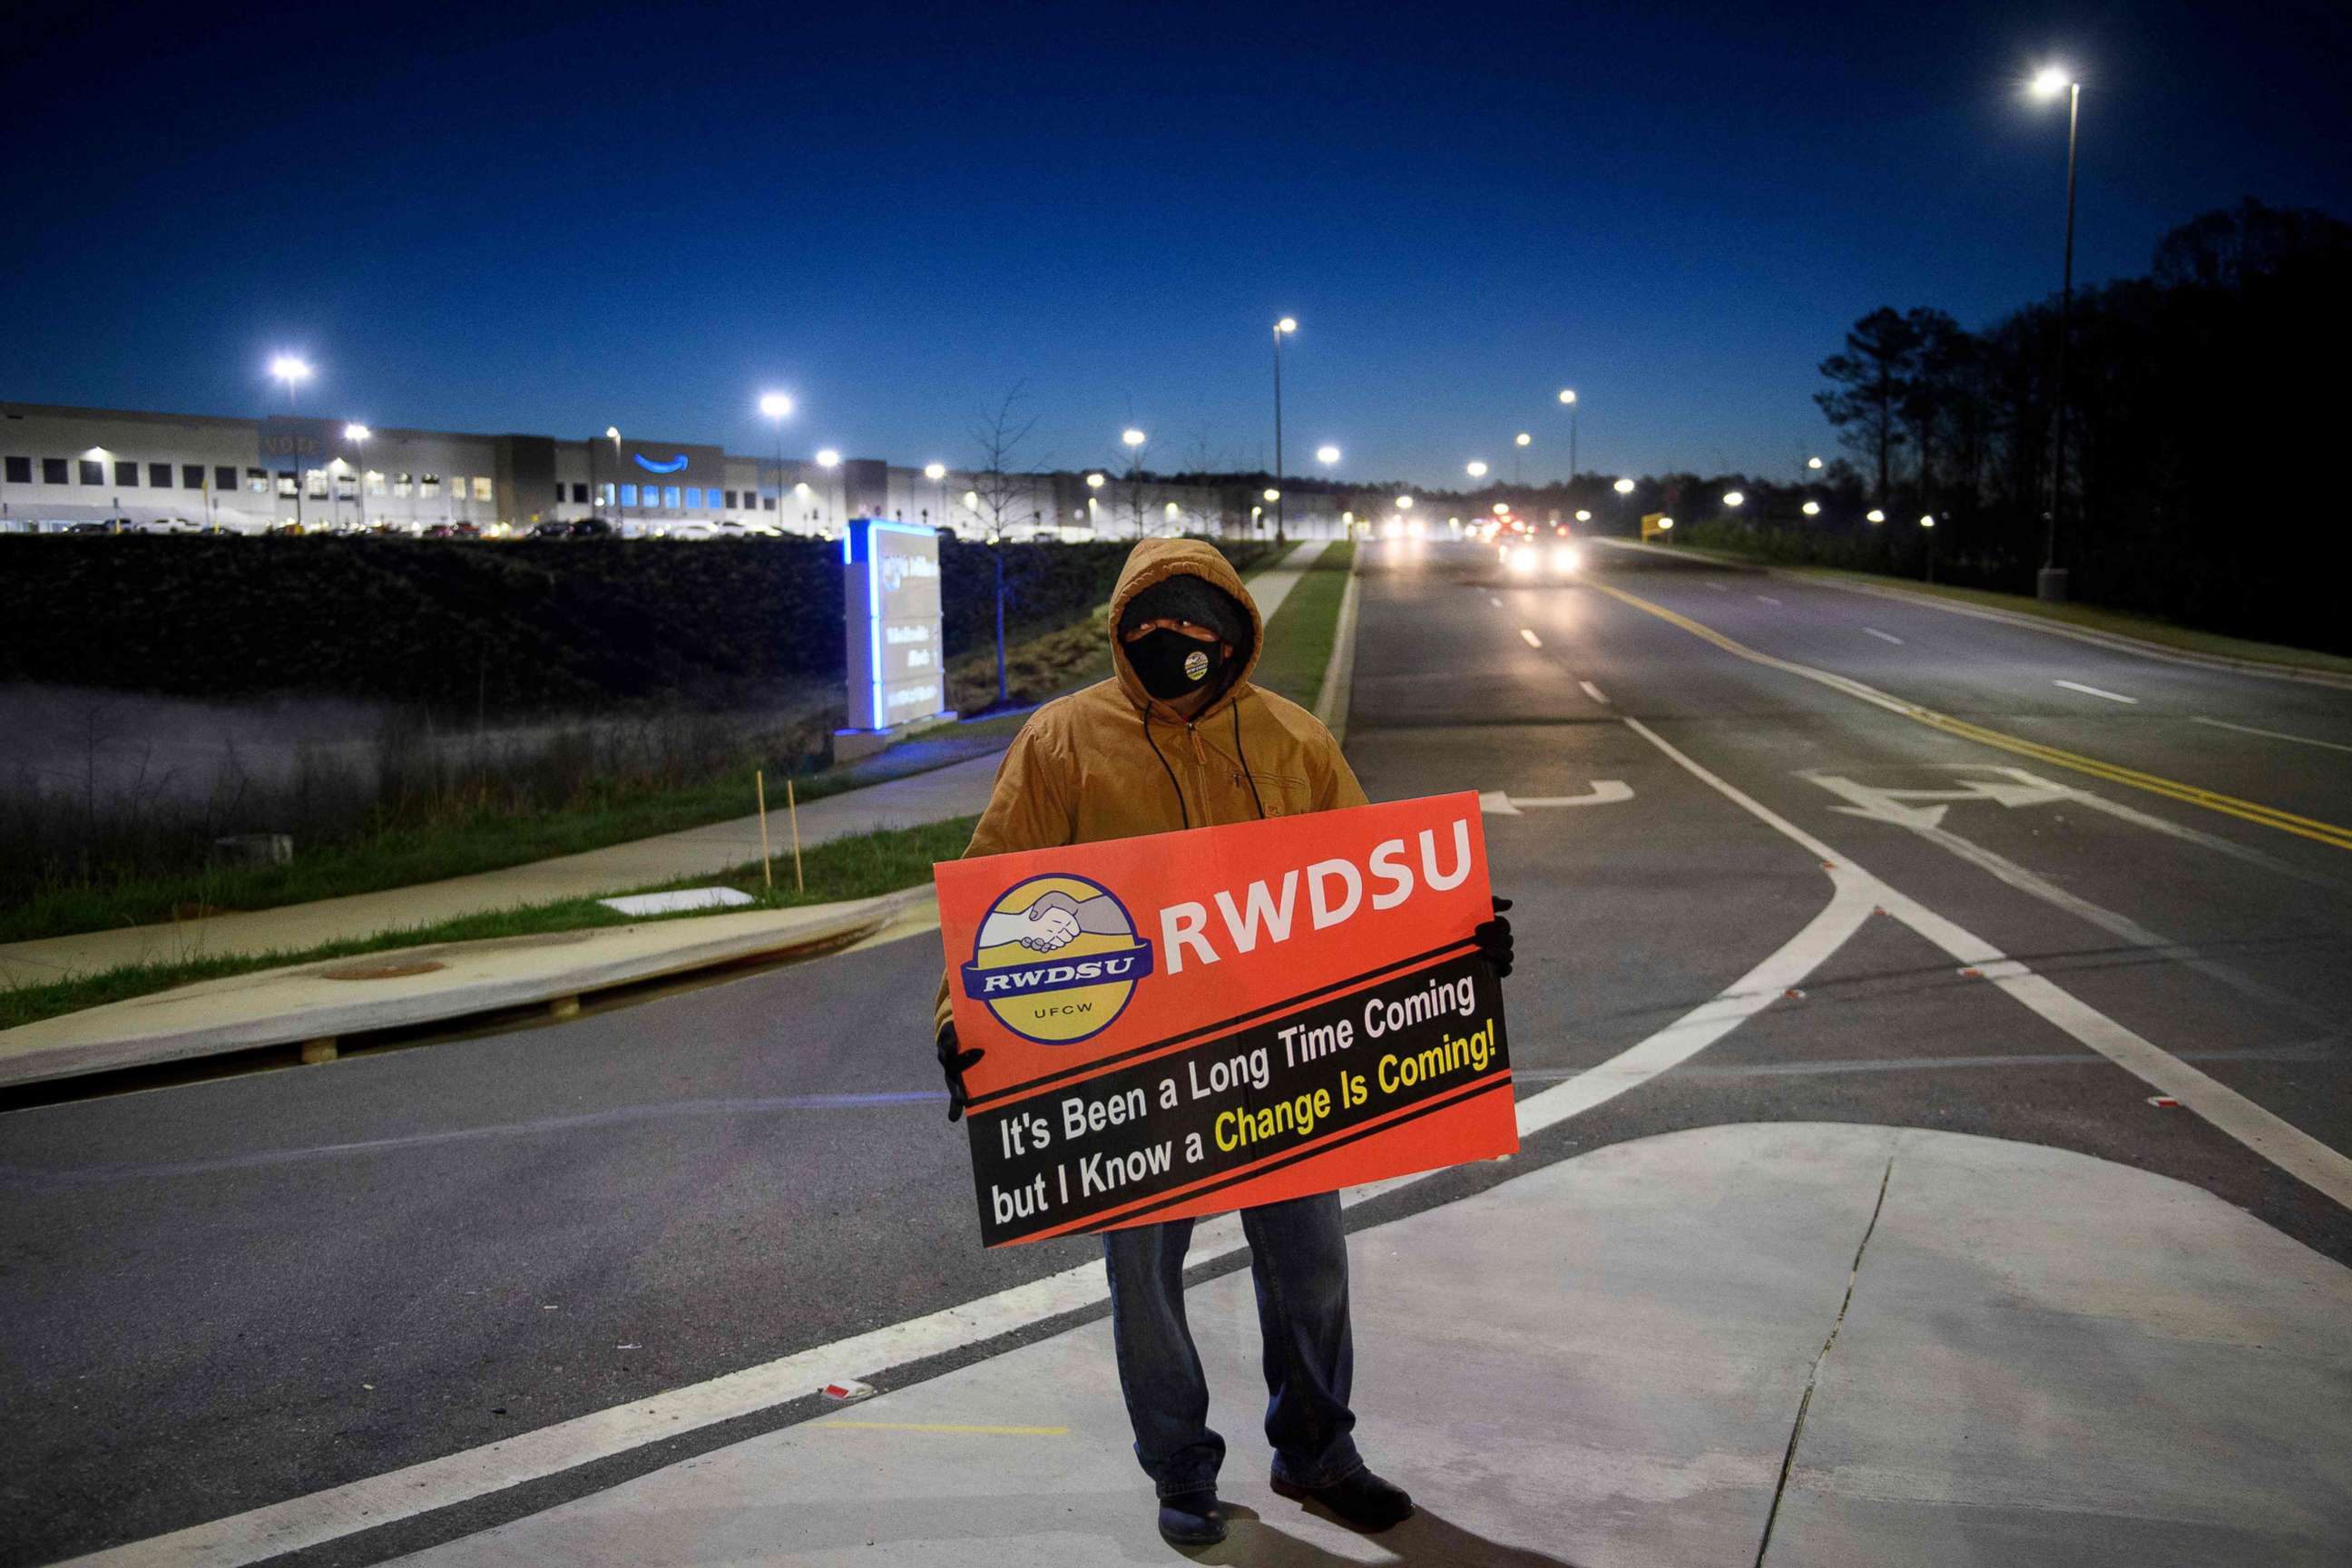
649 466
895 632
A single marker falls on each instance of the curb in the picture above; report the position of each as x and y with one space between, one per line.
1339 674
391 989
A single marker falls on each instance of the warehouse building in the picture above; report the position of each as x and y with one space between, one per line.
62 467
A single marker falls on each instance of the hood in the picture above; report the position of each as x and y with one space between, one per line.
1153 560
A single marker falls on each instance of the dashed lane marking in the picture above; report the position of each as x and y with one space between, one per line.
1883 637
1529 637
2094 692
1594 692
2319 831
1767 599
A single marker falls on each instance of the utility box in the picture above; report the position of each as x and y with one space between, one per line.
896 645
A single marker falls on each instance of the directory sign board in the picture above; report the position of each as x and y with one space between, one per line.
896 650
1188 1023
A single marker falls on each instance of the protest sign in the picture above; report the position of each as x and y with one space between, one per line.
1189 1023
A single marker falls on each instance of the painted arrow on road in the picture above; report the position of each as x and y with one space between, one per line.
1604 792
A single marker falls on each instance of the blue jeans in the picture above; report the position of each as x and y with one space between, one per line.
1298 1261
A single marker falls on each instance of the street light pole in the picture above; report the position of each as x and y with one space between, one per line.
1281 328
2052 583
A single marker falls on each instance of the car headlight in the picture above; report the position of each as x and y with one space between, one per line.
1566 558
1523 559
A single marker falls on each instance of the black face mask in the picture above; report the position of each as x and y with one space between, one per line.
1171 664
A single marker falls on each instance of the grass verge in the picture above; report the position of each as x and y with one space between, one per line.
860 867
1298 639
2090 617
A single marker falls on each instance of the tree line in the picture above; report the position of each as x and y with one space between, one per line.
2200 399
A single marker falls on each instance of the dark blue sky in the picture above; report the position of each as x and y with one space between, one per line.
539 218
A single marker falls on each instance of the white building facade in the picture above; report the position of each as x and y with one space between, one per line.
61 466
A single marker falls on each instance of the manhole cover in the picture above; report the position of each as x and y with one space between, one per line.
392 970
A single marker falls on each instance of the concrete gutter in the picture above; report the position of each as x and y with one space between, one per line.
312 1005
1339 675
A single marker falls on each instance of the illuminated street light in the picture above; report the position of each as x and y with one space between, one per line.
1282 329
2048 83
1094 481
1583 516
935 471
358 436
1272 494
1623 487
1327 455
778 408
827 457
1524 439
1405 504
1567 397
776 405
293 370
1665 522
972 500
1735 498
1928 520
1476 469
1502 509
1812 508
1812 463
801 488
1132 437
1874 515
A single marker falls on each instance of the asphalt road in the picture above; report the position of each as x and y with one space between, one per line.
227 1294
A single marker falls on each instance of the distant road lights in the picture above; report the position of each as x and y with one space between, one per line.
1928 520
935 471
1476 469
1286 325
1583 516
972 500
1874 515
292 368
1272 494
1567 397
1523 439
2052 81
1327 455
1812 508
1814 463
1502 509
1132 437
1623 487
1405 504
356 434
1735 498
1665 524
1171 509
776 405
828 458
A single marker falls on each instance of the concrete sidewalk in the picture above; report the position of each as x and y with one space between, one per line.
2045 1359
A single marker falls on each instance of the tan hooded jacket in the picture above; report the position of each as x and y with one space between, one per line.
1112 762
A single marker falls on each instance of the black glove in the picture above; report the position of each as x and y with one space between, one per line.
1494 940
955 1064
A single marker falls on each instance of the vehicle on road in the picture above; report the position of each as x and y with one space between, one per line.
592 527
550 529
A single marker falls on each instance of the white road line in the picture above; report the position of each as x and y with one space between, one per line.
1883 637
1529 637
1719 587
1494 601
2273 1137
2271 734
1767 599
1594 692
2094 692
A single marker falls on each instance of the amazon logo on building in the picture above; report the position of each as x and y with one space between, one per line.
660 466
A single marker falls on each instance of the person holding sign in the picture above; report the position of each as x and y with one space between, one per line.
1180 739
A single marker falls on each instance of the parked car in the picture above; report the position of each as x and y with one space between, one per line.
592 527
106 527
550 529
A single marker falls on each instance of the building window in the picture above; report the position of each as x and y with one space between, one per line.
731 501
159 476
605 494
457 486
694 497
628 495
374 483
285 482
428 485
401 484
223 477
20 470
670 497
580 492
192 476
314 483
126 473
483 488
93 472
257 480
769 502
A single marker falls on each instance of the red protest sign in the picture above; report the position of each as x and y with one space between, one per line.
1189 1023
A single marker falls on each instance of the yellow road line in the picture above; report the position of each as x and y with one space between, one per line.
941 1426
2254 811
